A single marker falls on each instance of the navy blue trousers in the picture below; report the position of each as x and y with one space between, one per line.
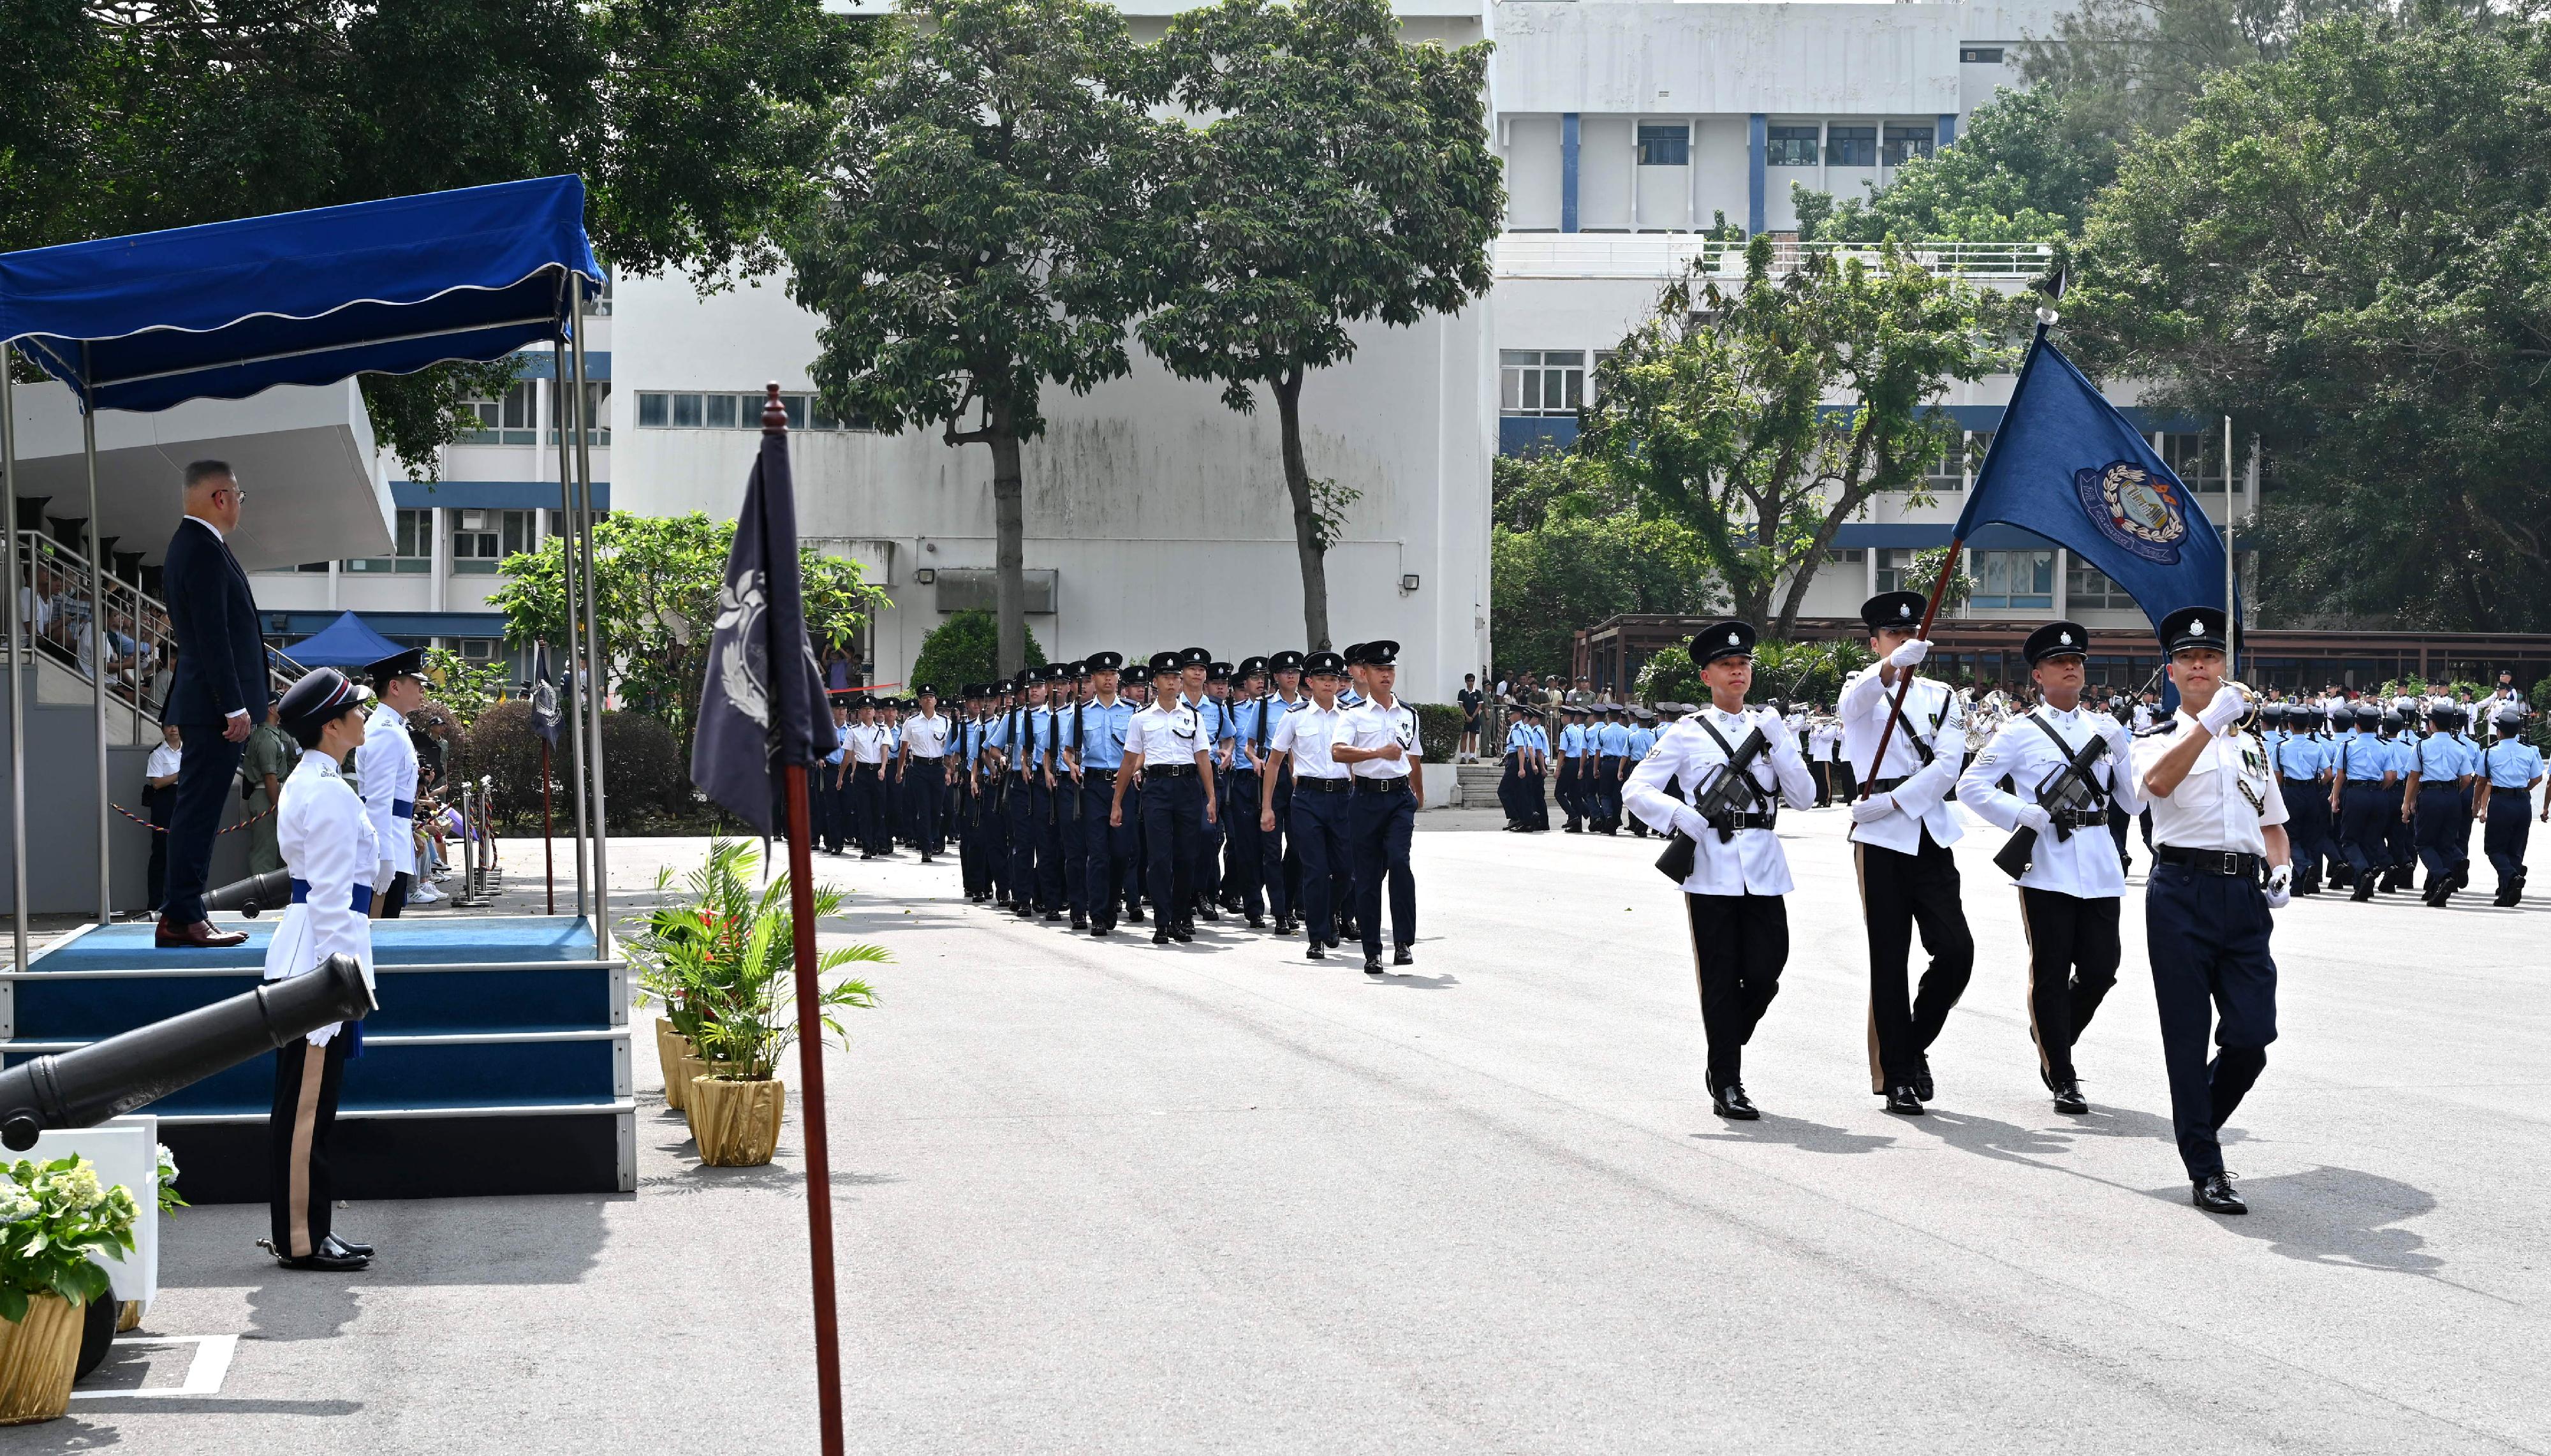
1380 826
2360 826
1240 834
1107 851
1319 835
1173 832
205 763
2509 825
2439 835
2213 981
1027 836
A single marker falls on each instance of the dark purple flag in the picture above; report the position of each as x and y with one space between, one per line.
762 707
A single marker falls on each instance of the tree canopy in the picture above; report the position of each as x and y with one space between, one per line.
2348 250
2022 171
964 649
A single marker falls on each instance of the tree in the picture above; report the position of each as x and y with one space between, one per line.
2022 171
1344 177
695 124
2126 65
656 583
965 649
2349 251
985 229
1713 409
1568 547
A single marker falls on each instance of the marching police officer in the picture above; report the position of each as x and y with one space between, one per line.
1168 742
2359 789
1381 748
2218 831
2437 793
1734 896
1902 833
2511 770
2075 880
1280 867
1321 787
922 764
1244 880
1108 849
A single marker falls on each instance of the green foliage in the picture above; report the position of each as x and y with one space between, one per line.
171 1201
655 585
464 688
1713 411
1439 730
1670 676
2348 250
52 1218
1792 671
985 227
1525 491
1576 571
721 961
964 649
2022 171
1342 176
694 122
1925 572
2123 65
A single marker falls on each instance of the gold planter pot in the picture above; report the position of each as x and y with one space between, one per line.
129 1318
737 1123
672 1050
37 1357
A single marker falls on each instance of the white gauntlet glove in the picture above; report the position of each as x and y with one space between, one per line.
2034 816
2280 886
1871 810
1911 654
2229 703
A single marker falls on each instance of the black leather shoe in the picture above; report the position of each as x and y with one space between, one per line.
1134 917
1159 937
2364 890
1184 934
345 1248
1053 914
1079 922
1315 952
2214 1193
2068 1099
1901 1101
1098 930
1333 942
1372 965
326 1262
1730 1101
1922 1079
1401 956
1211 915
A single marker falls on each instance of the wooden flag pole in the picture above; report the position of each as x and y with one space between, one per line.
810 1074
1904 680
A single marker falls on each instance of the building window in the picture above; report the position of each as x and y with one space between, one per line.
508 420
412 544
1903 143
1979 55
1541 381
480 540
1665 146
597 412
2012 578
1851 146
2086 585
1946 472
1894 567
1844 556
735 413
2196 459
478 648
1789 147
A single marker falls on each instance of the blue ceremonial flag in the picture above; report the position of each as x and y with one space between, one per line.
546 717
761 709
2068 467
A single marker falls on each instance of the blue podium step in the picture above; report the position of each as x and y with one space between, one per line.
497 1061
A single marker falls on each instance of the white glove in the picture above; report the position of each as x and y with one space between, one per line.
1694 827
2034 816
2280 886
1871 810
2230 703
1911 654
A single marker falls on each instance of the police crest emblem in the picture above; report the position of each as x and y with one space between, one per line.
2134 508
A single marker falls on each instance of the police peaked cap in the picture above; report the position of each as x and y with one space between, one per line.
1722 640
1894 611
1251 668
2392 718
2056 640
322 695
408 664
1195 656
1218 672
2366 714
2510 718
2191 627
1165 664
1379 652
1288 660
2274 712
1324 663
925 690
1102 662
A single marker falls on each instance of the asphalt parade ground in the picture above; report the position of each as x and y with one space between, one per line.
1107 1196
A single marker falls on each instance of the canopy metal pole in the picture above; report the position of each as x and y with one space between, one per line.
2231 578
16 673
592 627
97 646
567 583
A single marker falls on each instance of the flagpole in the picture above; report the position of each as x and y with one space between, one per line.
810 1055
2232 604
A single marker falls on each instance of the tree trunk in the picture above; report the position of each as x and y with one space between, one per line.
1009 522
1306 515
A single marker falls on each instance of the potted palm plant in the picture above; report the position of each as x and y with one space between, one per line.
742 992
703 919
52 1218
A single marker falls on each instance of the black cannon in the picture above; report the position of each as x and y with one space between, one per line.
111 1078
272 890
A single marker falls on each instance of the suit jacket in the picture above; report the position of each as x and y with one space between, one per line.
220 657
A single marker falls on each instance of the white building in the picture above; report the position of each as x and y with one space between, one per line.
1157 517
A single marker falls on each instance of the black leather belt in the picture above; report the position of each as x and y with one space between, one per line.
1168 771
1324 785
1887 785
2081 818
1744 821
1395 785
1103 775
2211 861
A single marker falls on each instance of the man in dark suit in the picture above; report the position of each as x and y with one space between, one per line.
218 697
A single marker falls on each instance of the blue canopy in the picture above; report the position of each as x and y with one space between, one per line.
343 643
224 310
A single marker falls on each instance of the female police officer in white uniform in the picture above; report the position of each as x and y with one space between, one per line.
328 845
2223 863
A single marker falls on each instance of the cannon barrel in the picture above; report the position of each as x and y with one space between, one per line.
111 1078
272 890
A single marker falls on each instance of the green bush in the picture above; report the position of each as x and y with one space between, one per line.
647 784
1794 672
1439 730
967 648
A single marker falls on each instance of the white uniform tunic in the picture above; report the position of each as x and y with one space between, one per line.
1307 734
326 840
386 765
2226 801
1161 736
1752 862
1369 726
1936 717
2086 863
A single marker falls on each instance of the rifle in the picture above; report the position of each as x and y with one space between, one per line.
1718 803
2067 791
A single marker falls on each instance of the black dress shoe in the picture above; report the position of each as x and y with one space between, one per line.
1315 952
1399 956
2364 890
2214 1193
2068 1099
1730 1101
1333 942
1372 965
1053 914
1210 913
1159 937
1134 917
345 1248
326 1262
1901 1101
1922 1078
1079 922
1184 934
1099 930
1257 922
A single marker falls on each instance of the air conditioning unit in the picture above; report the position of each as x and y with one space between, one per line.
477 521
